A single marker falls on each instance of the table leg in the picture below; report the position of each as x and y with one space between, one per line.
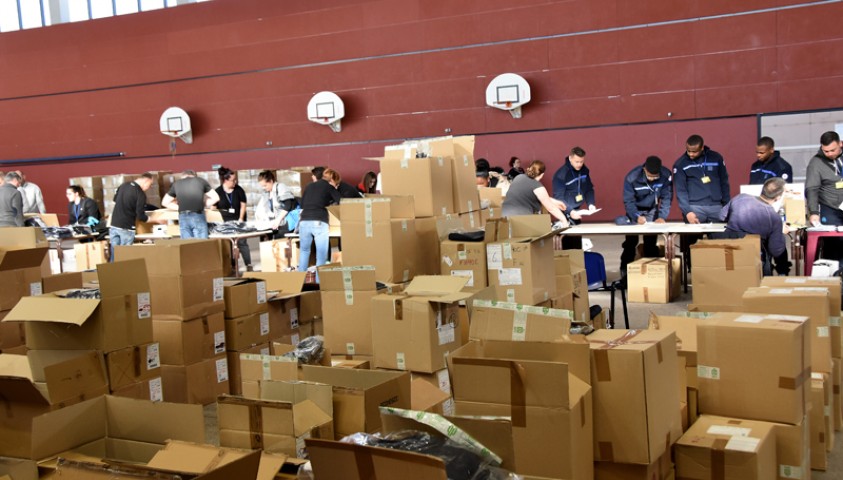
810 252
60 255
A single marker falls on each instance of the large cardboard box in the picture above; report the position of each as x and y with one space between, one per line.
492 320
247 331
256 368
20 274
661 469
347 294
416 329
793 449
284 291
720 448
464 259
819 419
186 276
518 251
722 269
151 389
653 280
120 318
834 297
634 379
428 180
278 426
190 341
571 284
348 461
133 364
358 394
244 296
200 383
380 231
809 301
89 255
426 253
530 382
772 387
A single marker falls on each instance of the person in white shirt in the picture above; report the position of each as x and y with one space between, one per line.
33 200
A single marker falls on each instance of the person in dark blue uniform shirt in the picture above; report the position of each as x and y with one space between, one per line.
770 164
647 194
572 185
701 182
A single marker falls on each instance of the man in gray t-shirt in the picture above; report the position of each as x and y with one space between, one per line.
190 195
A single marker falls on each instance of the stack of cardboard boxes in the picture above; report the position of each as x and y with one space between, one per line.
571 284
246 323
722 270
186 282
346 295
23 259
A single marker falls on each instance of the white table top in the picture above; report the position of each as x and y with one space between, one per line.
647 228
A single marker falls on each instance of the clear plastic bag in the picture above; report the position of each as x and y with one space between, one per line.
309 351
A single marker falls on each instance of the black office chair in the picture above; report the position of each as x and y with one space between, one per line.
595 271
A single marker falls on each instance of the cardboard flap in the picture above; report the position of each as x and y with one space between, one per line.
17 258
129 418
270 465
123 278
448 225
49 308
435 285
234 281
22 237
285 283
63 375
296 392
405 151
335 460
16 380
532 226
307 415
211 463
423 395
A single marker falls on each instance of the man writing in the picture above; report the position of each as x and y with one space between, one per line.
701 182
647 194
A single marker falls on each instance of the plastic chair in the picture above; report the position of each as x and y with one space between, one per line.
595 271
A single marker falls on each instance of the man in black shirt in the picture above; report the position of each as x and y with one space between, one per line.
313 226
129 207
190 195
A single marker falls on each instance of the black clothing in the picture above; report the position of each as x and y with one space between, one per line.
775 166
230 201
81 212
129 202
316 197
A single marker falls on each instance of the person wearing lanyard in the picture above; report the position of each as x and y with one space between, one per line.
572 185
81 209
824 182
701 182
232 207
279 200
769 164
647 194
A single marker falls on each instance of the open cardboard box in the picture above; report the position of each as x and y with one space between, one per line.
519 251
20 273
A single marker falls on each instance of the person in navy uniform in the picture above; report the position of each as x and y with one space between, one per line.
701 182
572 185
647 194
770 164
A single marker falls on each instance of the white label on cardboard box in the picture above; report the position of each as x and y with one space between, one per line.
796 280
153 357
469 274
294 318
35 288
441 162
444 381
403 225
156 390
446 334
405 163
729 430
264 319
781 291
447 261
822 332
788 318
399 359
834 321
509 276
219 342
222 370
750 319
743 444
507 251
790 471
519 326
811 289
494 256
295 339
144 305
827 410
448 407
711 373
816 376
218 290
462 255
347 283
471 220
510 295
349 297
261 288
265 351
349 348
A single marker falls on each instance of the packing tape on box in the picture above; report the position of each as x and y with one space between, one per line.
365 466
604 372
367 220
728 253
517 307
789 383
718 459
517 392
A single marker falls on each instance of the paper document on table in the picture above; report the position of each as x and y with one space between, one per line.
823 228
585 211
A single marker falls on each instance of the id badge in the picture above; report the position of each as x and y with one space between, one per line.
230 210
706 179
838 185
578 198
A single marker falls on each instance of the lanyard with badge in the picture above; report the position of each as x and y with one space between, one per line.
837 169
705 178
230 197
578 198
78 209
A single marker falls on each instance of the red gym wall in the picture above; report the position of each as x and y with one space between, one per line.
649 73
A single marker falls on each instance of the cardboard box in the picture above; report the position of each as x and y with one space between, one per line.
809 301
425 255
837 407
416 329
428 180
359 393
200 383
794 210
12 334
20 273
491 320
284 291
530 382
772 387
255 368
723 269
235 374
518 249
464 259
426 397
151 389
89 255
347 294
491 195
279 255
661 469
344 361
634 378
244 296
190 341
344 461
132 364
185 276
819 419
63 281
380 231
247 331
793 449
45 379
834 298
651 280
278 426
726 448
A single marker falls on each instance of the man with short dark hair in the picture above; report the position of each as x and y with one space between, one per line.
769 164
701 182
11 201
824 182
572 184
750 215
129 207
190 195
647 194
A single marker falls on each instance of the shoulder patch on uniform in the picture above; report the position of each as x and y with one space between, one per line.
784 176
674 169
670 178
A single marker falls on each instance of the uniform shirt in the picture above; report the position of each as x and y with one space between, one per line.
129 206
231 201
521 198
775 166
690 184
570 185
190 192
751 215
315 200
640 196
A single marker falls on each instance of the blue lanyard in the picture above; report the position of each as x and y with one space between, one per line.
229 196
77 209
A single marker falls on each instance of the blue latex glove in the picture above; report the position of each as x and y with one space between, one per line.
92 221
